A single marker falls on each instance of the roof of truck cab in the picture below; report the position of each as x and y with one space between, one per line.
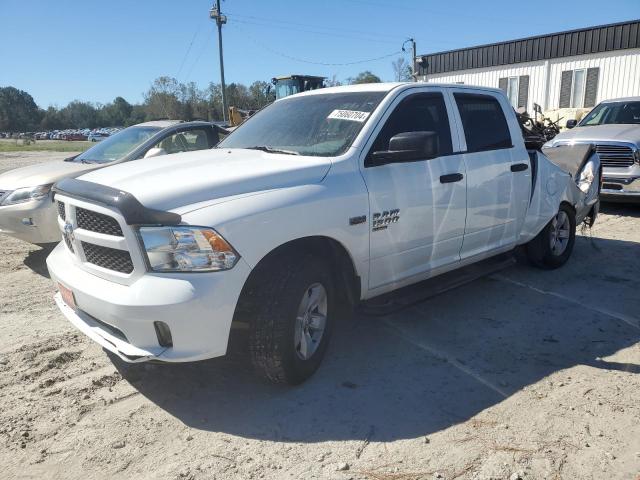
388 86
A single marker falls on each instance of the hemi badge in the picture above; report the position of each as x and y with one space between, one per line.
357 220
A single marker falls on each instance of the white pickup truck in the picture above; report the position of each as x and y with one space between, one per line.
330 196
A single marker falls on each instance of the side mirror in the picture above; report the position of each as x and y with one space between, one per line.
408 147
571 123
155 152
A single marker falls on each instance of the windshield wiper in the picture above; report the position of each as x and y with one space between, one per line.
268 149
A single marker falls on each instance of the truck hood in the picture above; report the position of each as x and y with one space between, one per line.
43 174
173 181
620 133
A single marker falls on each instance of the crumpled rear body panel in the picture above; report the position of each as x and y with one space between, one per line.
557 181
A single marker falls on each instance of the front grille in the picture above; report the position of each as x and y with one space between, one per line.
109 258
68 242
61 211
615 155
97 222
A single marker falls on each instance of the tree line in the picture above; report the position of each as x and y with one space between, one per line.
165 98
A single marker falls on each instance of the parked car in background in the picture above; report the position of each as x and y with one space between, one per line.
613 127
26 207
97 137
324 198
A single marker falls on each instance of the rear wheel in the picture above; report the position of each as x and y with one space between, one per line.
292 307
552 247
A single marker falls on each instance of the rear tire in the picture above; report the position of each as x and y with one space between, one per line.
291 307
552 247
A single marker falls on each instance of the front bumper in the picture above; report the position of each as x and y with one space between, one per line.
33 221
620 187
197 307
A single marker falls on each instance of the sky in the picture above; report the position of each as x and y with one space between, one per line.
64 50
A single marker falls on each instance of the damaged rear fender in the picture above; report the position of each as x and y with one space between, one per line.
568 174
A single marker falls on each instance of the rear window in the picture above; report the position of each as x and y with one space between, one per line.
484 123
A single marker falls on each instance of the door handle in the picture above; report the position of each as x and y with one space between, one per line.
451 178
519 167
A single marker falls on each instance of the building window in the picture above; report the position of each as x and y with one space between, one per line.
516 89
577 92
512 91
579 88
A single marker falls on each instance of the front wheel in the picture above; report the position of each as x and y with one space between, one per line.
292 310
552 247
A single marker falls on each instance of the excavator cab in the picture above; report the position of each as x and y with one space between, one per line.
292 84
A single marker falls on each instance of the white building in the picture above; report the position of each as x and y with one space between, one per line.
572 69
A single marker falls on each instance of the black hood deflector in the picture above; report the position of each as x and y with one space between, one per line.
131 209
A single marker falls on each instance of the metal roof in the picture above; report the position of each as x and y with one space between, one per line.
603 38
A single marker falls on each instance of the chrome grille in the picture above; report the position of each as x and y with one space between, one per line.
97 222
109 258
615 155
61 211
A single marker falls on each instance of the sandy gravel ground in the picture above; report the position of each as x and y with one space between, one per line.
525 374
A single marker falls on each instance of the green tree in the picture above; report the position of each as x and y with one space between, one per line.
18 111
162 100
364 77
52 119
79 114
116 113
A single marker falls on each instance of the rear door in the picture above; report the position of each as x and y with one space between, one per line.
498 172
417 208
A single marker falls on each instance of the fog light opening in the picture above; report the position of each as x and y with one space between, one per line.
163 332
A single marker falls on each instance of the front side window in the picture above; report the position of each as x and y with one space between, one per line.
484 123
117 146
186 141
420 112
324 124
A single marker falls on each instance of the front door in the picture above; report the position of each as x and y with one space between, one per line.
417 208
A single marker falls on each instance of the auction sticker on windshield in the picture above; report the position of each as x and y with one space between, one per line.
353 115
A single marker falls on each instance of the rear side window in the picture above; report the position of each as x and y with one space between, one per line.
420 112
484 123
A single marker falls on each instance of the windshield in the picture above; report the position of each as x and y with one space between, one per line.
316 125
613 113
117 146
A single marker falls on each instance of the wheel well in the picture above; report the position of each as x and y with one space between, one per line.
325 248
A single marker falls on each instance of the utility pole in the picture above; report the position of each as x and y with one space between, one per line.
414 71
220 19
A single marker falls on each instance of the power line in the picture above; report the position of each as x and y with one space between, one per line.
202 50
326 64
318 27
184 58
282 27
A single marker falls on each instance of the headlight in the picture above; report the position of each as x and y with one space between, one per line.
26 194
637 155
187 249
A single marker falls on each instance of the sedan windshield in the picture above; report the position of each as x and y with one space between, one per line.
117 146
613 113
316 125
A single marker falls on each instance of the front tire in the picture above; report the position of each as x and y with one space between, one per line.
552 247
292 306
